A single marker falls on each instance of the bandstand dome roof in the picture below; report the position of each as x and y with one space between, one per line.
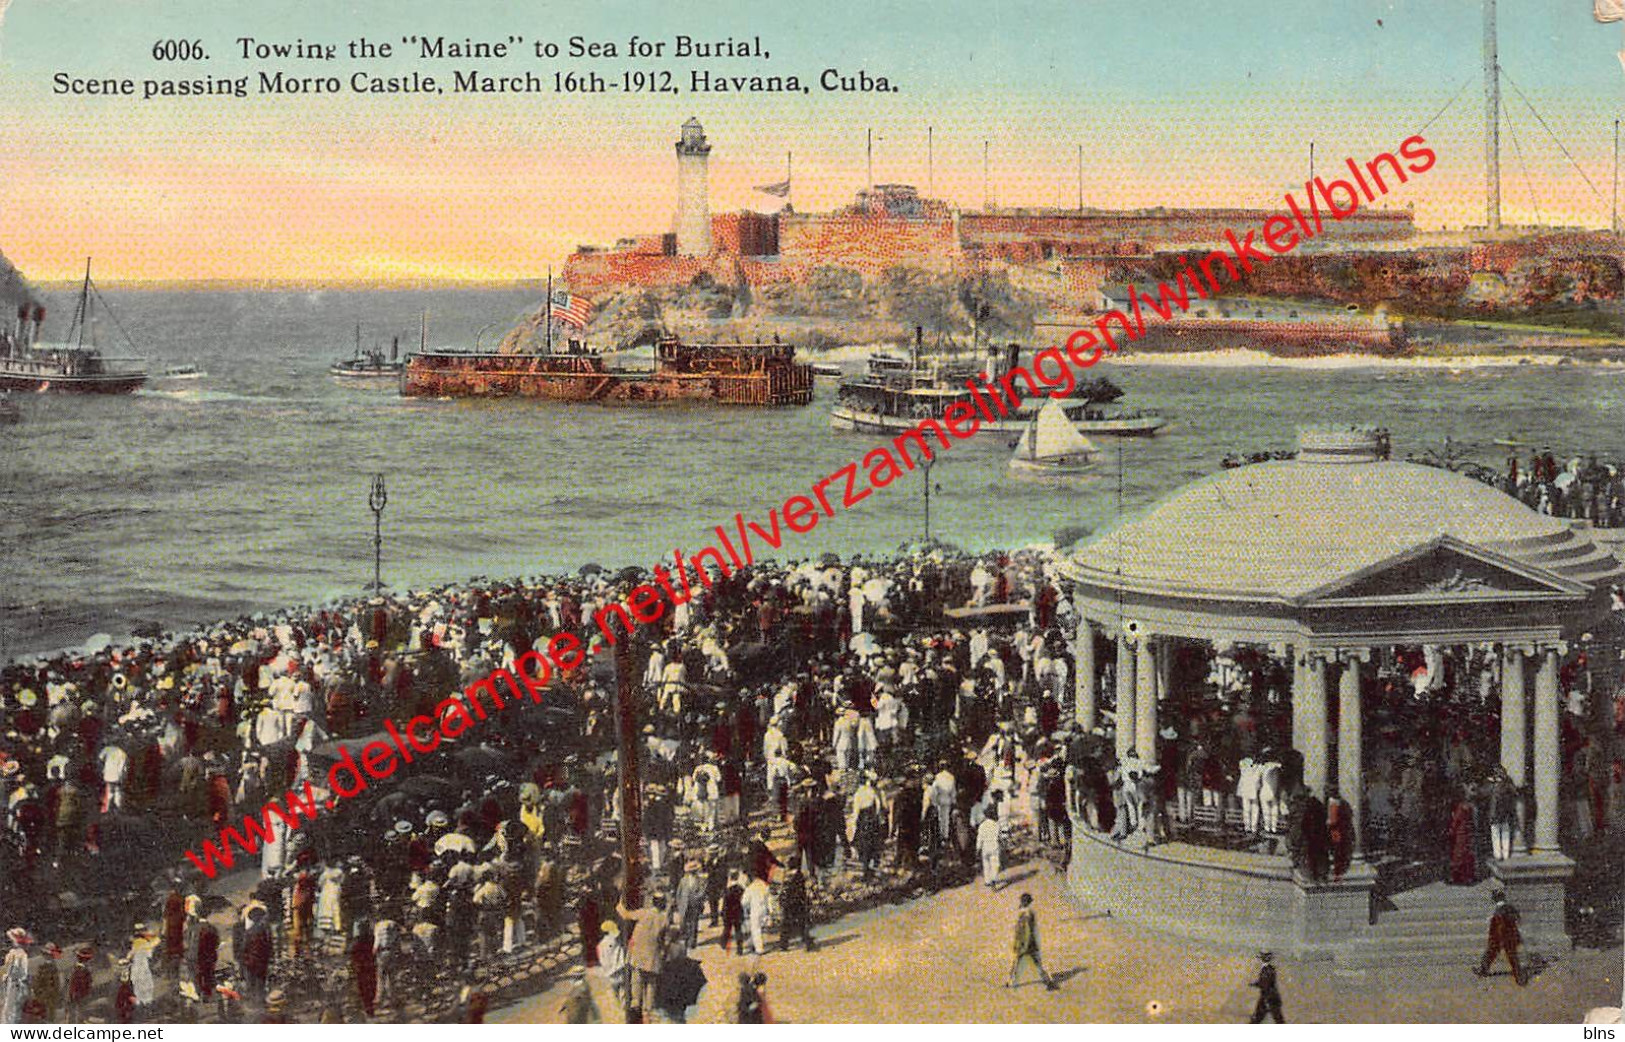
1292 530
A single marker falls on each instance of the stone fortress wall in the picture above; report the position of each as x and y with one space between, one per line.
1063 257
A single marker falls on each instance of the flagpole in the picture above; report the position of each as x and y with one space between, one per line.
548 321
789 184
930 166
1080 178
869 136
984 173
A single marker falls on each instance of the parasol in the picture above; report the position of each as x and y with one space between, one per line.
681 981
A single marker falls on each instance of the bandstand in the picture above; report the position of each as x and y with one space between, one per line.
1322 563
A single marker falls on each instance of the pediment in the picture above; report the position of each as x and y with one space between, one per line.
1445 570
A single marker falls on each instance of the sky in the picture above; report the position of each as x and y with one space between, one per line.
1178 103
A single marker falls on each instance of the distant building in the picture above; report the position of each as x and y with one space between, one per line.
1066 253
693 223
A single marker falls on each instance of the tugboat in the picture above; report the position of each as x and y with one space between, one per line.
371 364
72 367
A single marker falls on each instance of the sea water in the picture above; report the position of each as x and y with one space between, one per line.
247 490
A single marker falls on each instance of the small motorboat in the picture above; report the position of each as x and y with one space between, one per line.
1052 445
826 369
371 364
183 372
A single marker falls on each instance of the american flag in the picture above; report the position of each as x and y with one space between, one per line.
571 309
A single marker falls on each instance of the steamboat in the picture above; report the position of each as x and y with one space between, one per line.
895 394
71 367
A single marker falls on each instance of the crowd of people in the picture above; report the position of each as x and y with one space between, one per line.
1434 788
803 728
1581 487
806 733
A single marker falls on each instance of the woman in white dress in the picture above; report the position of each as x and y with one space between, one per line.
329 916
14 976
142 945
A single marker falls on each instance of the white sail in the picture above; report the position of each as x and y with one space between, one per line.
1053 435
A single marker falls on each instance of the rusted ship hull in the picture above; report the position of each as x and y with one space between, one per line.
1287 339
607 388
100 383
690 376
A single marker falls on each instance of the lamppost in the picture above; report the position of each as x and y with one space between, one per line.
930 461
377 499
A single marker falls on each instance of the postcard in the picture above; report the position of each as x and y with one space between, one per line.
985 512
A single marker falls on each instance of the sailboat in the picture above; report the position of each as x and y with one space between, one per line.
73 367
1053 445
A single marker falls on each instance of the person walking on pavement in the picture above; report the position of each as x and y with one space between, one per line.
1025 945
754 903
987 845
1269 993
646 952
797 911
733 915
1504 937
688 906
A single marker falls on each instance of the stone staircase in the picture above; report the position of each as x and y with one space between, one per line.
1432 926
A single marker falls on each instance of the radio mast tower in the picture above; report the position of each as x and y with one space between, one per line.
1492 121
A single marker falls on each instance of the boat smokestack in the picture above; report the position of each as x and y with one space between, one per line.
22 323
39 321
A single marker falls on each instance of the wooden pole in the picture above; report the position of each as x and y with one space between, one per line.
627 739
984 175
548 332
1080 178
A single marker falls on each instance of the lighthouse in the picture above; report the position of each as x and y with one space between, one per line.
693 224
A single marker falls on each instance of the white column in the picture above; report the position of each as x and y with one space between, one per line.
1145 700
1300 688
1083 651
1125 698
1515 729
1548 754
1313 708
1350 757
1165 668
1514 716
